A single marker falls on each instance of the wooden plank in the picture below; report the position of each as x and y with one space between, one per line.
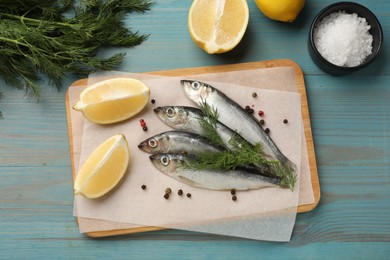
217 69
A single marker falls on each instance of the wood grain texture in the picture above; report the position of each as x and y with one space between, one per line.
218 69
350 119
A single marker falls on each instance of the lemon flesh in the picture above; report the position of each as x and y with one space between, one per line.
281 10
113 100
104 168
218 26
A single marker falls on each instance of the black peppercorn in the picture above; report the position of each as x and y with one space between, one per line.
166 196
153 101
234 198
189 195
143 187
267 130
145 128
233 192
285 121
262 121
254 94
180 192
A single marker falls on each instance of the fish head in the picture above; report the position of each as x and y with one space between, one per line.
173 116
166 163
197 91
155 144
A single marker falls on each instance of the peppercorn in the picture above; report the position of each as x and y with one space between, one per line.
168 190
234 198
262 121
233 192
285 121
145 128
143 187
254 94
188 195
180 192
166 196
247 108
153 101
267 130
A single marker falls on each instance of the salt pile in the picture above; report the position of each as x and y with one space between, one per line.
343 39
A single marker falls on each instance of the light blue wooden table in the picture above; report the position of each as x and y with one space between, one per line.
350 118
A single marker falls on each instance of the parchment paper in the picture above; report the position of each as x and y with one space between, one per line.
130 205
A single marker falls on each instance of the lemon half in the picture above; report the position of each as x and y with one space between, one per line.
104 168
217 26
113 100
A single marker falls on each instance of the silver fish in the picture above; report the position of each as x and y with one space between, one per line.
178 142
173 165
235 117
187 119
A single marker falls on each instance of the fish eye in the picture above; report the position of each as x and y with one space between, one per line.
195 85
164 160
170 112
152 143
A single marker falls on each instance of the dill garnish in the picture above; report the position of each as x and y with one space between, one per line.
57 37
240 153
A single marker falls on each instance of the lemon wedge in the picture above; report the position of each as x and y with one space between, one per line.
217 26
113 100
104 168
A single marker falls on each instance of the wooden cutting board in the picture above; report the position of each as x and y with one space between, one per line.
216 69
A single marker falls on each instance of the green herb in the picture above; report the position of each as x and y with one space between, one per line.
58 37
1 96
240 154
209 124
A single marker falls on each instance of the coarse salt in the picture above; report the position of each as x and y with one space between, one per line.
343 39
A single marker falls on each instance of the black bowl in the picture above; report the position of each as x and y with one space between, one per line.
348 7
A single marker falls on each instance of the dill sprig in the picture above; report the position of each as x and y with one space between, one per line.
208 122
1 96
240 153
58 37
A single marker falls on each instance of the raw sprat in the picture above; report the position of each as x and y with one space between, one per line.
239 158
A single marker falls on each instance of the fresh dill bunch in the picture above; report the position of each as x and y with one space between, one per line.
58 37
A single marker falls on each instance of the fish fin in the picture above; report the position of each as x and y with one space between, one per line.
188 181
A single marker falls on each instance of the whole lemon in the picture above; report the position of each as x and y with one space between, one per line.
281 10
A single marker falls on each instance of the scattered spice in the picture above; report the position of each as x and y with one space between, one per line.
249 109
233 192
145 128
267 130
180 192
143 187
262 122
153 101
261 113
234 198
166 196
188 195
168 190
285 121
254 94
